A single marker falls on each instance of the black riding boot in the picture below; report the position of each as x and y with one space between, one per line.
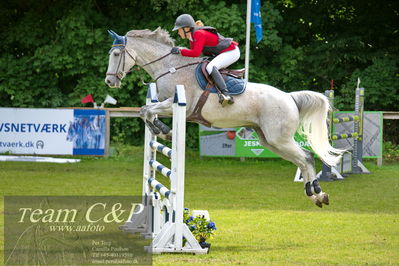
224 97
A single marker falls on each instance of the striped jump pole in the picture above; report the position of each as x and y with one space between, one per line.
345 119
159 187
160 168
345 136
161 148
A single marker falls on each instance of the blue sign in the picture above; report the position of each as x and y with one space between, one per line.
53 131
87 132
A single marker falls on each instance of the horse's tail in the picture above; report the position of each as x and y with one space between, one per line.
313 110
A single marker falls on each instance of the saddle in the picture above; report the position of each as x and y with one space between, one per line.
235 73
205 80
234 82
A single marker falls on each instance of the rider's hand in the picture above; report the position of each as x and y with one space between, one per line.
175 50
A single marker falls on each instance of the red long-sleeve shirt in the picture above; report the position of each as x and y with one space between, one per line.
203 38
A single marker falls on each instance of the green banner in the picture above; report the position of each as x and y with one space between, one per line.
236 142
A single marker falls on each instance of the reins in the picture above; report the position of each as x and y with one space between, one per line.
156 60
174 69
119 74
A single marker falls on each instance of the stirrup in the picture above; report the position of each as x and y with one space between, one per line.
225 99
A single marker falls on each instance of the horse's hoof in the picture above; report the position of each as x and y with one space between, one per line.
167 137
316 201
325 199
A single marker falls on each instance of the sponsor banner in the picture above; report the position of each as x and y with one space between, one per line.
72 230
236 142
52 131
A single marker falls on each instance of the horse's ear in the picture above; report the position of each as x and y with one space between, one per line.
112 34
118 40
157 29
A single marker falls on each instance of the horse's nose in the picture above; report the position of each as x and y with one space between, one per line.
108 81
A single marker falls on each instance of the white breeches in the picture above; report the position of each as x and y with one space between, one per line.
224 60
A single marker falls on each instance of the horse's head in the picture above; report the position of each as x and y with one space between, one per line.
121 60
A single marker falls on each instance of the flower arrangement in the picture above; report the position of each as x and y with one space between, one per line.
201 228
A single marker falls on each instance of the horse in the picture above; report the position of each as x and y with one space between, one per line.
273 114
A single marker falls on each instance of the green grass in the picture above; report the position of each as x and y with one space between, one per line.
262 216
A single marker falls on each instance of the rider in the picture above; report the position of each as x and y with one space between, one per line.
206 40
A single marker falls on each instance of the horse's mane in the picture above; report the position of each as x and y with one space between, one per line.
159 35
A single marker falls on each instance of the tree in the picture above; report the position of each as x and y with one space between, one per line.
55 52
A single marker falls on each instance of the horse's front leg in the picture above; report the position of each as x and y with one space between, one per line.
149 114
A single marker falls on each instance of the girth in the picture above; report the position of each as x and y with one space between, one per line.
196 115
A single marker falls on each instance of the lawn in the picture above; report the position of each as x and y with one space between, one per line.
262 216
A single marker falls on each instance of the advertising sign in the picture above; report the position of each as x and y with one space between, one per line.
236 142
52 131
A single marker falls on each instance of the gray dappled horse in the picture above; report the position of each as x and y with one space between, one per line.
274 115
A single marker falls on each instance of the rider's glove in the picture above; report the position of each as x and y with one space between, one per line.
175 50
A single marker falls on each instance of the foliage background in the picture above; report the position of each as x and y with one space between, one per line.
53 53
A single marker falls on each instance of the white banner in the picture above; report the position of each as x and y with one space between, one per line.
52 131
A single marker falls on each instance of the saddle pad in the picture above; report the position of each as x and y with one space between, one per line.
235 86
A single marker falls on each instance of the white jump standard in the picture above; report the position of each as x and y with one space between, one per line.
162 217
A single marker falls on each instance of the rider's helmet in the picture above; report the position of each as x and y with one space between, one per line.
184 20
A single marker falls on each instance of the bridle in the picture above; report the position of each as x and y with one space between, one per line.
120 73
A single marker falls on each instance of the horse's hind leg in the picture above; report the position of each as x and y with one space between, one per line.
312 186
289 150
